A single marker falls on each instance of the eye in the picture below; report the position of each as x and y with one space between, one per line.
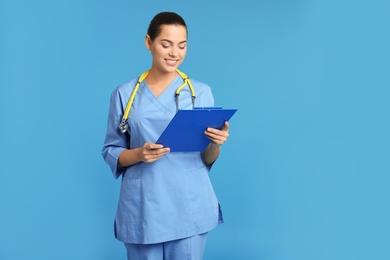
165 46
182 47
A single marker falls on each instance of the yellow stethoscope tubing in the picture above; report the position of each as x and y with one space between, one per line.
186 80
123 124
131 99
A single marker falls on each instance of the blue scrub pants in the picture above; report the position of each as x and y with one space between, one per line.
191 248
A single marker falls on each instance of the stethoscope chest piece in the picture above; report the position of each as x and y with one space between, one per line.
123 126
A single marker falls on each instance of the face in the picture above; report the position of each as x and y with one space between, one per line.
168 48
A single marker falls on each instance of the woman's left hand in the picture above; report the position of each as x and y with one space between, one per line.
218 137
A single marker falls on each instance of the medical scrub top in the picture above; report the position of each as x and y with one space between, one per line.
171 198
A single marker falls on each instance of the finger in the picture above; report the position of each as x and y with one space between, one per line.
213 130
226 126
154 154
153 146
163 151
217 134
219 139
151 158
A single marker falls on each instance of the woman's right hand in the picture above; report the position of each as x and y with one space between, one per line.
148 153
151 152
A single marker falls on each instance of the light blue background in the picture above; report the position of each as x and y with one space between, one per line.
304 175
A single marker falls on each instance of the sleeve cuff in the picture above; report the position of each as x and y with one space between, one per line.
116 169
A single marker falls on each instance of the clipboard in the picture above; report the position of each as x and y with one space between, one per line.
185 132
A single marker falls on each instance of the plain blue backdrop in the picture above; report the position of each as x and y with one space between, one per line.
304 175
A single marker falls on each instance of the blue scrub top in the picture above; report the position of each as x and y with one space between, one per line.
171 198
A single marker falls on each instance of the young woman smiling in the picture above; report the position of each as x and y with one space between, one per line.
167 204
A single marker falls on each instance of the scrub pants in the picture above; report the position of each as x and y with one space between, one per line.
191 248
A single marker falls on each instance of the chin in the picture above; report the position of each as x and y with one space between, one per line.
170 69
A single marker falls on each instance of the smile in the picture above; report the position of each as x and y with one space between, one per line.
171 62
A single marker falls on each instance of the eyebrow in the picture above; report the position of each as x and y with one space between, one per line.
165 40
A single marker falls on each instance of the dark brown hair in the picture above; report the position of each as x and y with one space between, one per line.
164 18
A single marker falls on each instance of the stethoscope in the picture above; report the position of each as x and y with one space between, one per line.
123 126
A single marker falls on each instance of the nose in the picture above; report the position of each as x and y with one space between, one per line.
173 52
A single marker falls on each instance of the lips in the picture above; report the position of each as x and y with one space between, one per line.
171 62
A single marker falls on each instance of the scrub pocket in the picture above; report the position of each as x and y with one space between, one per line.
130 198
200 191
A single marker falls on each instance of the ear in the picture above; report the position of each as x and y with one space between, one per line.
148 42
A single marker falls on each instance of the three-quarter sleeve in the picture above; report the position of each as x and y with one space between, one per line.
116 141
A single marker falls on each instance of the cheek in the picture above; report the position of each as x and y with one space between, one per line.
158 52
183 53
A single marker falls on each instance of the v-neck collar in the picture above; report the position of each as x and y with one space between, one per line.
163 101
173 83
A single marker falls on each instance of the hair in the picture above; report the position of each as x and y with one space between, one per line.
164 18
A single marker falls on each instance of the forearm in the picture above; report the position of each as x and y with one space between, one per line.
129 157
211 153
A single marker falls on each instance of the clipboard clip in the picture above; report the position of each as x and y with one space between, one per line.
207 108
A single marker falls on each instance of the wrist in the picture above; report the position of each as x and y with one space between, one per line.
138 152
214 145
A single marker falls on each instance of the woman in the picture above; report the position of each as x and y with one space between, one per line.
167 204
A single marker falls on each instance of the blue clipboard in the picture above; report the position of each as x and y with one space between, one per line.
185 132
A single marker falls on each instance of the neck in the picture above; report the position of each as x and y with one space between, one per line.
159 76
